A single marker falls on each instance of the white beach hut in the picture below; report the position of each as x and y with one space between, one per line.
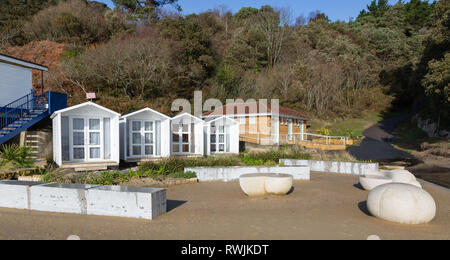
221 135
86 135
144 134
187 135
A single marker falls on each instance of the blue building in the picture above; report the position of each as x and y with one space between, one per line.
21 106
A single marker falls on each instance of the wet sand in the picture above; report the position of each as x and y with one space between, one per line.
330 206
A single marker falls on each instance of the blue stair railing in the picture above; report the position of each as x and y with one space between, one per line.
19 103
26 111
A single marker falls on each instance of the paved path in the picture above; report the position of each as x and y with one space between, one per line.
376 144
329 206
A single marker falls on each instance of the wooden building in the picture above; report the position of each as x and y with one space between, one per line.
263 124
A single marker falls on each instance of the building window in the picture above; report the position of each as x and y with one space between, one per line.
252 120
87 139
181 137
94 139
78 139
219 139
242 120
142 138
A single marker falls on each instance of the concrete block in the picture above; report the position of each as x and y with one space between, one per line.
122 201
59 197
15 194
226 174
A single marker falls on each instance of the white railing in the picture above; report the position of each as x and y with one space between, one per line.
296 138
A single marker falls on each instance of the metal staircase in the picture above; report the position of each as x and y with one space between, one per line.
28 110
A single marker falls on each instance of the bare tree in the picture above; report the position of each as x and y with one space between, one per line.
137 67
275 27
226 15
300 21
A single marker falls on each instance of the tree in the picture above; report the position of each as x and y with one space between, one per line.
418 13
437 85
136 67
300 21
274 25
376 8
245 13
435 63
76 22
317 16
192 54
14 12
145 10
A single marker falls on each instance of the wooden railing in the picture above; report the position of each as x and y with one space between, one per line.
295 138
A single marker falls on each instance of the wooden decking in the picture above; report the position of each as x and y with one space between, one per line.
90 166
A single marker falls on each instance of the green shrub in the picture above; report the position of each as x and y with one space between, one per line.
171 165
272 157
9 152
324 131
183 175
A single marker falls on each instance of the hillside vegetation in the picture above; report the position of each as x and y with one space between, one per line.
141 54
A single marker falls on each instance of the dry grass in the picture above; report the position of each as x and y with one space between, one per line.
441 148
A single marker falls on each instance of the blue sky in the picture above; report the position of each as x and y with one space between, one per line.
335 9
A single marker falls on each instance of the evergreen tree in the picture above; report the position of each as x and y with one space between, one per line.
13 12
418 13
376 8
145 10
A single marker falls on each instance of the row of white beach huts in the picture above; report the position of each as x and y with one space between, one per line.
91 135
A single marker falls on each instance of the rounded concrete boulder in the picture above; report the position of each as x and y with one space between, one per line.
371 172
372 178
401 203
253 184
267 183
404 176
369 182
278 184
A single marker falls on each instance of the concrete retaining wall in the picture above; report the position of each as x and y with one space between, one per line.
205 174
15 194
132 202
329 166
59 197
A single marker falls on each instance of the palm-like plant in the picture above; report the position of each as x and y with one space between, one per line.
9 152
19 155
